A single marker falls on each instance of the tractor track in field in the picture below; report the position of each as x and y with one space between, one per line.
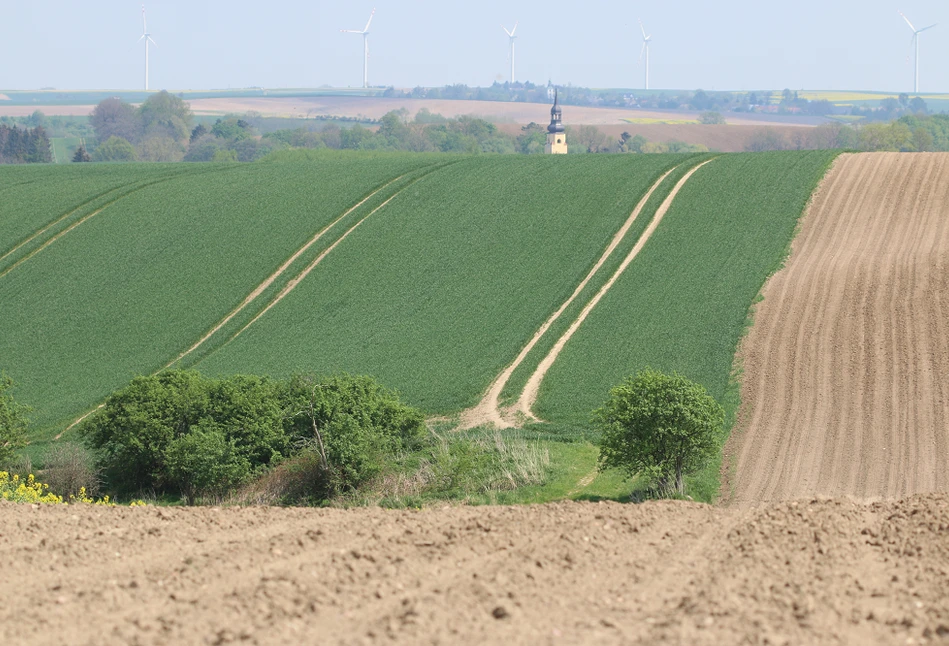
138 186
489 410
260 289
291 284
844 390
296 280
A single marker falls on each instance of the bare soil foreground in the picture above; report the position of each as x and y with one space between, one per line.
809 572
846 369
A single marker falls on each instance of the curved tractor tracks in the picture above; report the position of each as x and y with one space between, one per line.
281 271
489 410
48 231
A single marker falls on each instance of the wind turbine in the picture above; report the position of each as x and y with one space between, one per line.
510 34
645 51
915 42
147 37
365 42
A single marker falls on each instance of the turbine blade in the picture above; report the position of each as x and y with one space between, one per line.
144 24
370 20
141 38
907 21
642 53
505 30
925 28
643 29
153 41
513 30
351 31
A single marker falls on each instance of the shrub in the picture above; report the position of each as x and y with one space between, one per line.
353 424
205 462
659 426
70 469
135 428
13 421
16 489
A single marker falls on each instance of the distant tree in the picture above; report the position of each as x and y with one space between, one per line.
37 119
116 118
114 149
224 155
918 105
904 99
160 148
165 114
38 148
923 140
13 421
203 149
711 118
765 139
199 131
81 155
659 426
890 105
231 129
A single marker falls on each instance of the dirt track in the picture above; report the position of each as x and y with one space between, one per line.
846 369
795 573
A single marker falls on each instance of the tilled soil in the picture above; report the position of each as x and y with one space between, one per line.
845 390
808 572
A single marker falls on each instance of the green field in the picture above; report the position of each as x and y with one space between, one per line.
430 272
439 295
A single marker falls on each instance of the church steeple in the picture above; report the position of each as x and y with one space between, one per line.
556 115
556 135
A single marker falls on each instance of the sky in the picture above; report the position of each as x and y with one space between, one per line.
723 45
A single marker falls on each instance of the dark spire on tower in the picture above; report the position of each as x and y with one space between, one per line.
556 116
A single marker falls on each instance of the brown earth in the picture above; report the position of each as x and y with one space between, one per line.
846 369
810 572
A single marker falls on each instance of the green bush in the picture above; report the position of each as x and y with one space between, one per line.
181 432
13 421
659 426
353 423
138 424
205 462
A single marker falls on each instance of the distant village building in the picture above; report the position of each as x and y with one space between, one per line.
556 137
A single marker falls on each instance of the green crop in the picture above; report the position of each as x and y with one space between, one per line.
437 293
682 304
131 288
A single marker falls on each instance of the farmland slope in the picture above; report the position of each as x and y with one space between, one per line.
437 296
157 267
845 389
823 572
682 304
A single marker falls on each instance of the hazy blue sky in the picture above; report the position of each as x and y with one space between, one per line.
737 44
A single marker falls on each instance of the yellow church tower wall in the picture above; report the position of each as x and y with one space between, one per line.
556 135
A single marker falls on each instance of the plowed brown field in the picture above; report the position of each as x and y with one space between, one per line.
846 370
821 572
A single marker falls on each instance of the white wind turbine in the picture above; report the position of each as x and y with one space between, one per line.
645 51
365 42
512 37
915 43
147 37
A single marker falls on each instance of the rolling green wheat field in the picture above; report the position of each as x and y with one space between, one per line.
431 273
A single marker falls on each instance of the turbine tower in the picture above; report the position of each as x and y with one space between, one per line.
365 43
512 37
915 43
147 37
645 51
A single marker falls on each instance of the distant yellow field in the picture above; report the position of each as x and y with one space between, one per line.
847 97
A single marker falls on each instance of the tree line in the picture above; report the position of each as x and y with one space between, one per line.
24 145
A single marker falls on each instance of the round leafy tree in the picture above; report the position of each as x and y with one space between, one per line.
659 426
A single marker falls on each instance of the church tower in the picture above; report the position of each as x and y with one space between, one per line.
556 137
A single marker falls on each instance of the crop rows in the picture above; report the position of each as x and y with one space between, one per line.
127 291
437 296
682 304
